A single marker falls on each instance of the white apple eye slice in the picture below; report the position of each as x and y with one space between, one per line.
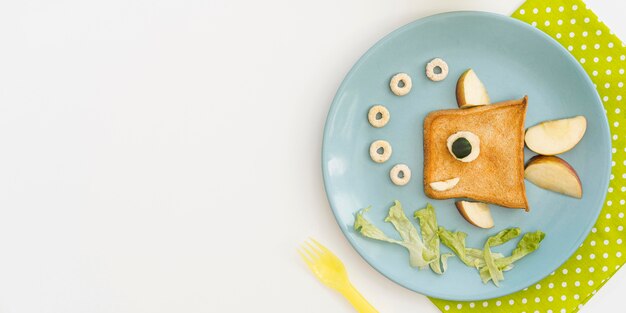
464 146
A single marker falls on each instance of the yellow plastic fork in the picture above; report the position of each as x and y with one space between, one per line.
330 271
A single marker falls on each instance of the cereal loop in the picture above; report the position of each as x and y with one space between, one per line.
396 80
432 65
373 116
385 151
400 174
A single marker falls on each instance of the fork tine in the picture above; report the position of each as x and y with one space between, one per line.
306 260
320 246
314 248
310 253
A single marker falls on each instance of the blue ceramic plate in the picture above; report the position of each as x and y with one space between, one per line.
512 59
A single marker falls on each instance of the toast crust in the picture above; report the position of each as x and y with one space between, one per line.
497 175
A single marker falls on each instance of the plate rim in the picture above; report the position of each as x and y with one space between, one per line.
334 106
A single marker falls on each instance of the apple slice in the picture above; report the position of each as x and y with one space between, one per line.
553 173
477 213
470 91
557 136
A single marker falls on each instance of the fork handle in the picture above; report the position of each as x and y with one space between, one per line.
357 300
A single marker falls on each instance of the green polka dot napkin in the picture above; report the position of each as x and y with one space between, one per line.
603 56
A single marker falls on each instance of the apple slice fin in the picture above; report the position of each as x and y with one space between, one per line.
476 213
470 91
553 173
556 136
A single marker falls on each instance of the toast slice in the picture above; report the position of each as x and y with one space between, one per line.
497 174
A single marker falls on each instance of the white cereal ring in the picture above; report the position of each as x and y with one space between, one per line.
373 116
432 65
380 151
403 78
400 174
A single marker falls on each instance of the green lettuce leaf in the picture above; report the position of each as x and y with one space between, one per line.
419 255
428 226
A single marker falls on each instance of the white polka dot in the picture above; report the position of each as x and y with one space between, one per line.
622 57
537 300
550 298
563 297
570 48
578 270
610 45
590 283
571 35
546 23
609 203
619 98
593 230
593 243
607 229
548 9
592 256
608 72
596 60
498 303
586 20
606 242
577 283
574 7
559 22
549 311
621 71
522 11
582 60
572 21
524 300
561 9
534 24
598 32
617 110
564 271
594 73
471 304
591 269
485 304
618 254
619 241
620 85
564 284
558 35
585 33
550 285
576 297
621 214
596 46
605 255
447 307
609 59
538 286
607 85
579 257
605 98
563 311
605 268
535 11
459 306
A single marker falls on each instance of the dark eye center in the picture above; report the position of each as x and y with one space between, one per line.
461 148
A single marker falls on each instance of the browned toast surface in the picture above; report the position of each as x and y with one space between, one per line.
497 175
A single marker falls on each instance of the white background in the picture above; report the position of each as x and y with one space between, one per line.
164 156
